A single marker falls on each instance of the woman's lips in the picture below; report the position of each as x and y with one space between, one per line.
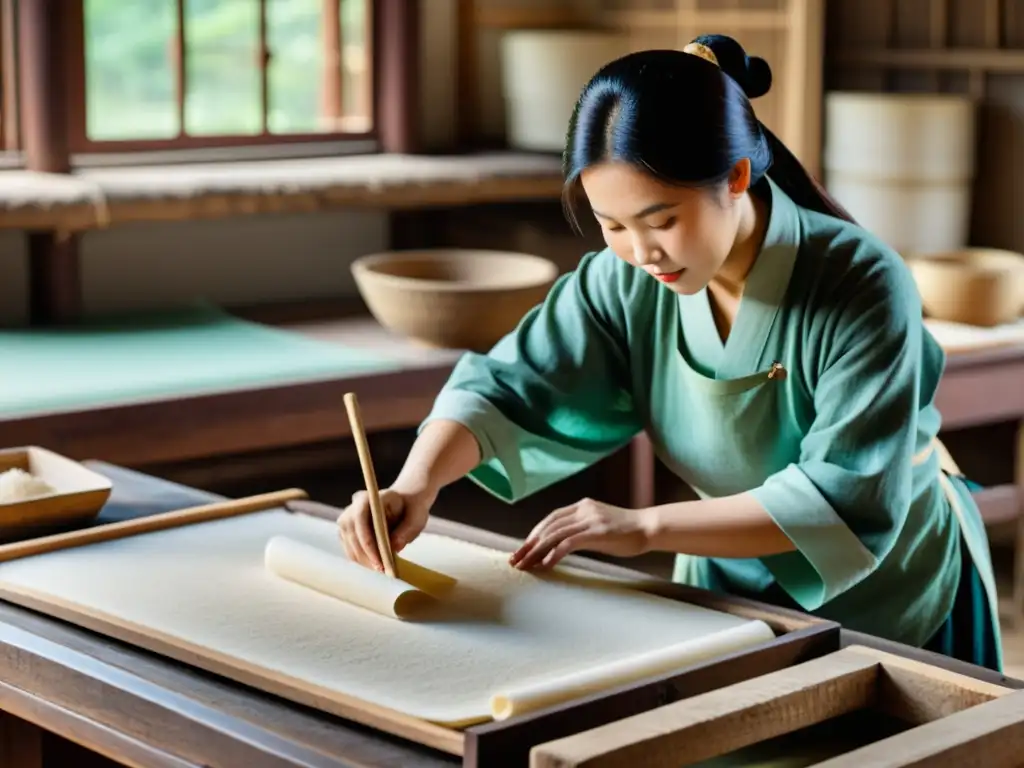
668 277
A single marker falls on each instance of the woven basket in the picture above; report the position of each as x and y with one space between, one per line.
453 298
976 286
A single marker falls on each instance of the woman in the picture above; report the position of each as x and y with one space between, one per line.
773 351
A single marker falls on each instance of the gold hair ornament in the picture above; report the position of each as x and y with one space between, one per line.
699 49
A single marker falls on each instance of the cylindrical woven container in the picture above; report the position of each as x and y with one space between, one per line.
453 298
976 286
543 73
903 165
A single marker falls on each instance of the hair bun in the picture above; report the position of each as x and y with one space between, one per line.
753 73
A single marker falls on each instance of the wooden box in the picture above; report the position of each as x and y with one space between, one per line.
79 494
857 707
496 743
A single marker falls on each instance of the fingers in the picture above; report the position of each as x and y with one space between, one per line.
555 517
533 553
406 519
565 547
411 525
367 541
355 528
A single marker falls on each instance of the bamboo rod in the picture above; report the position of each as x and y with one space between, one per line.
125 528
380 520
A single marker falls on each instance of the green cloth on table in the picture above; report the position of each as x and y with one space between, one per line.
131 358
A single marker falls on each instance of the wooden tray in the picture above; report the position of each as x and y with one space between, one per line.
939 718
79 494
799 637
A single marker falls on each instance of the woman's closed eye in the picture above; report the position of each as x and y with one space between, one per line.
667 224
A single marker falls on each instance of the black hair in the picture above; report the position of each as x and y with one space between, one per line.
686 118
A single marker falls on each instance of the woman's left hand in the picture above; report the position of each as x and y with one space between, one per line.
587 524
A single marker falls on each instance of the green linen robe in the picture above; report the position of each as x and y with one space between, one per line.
826 445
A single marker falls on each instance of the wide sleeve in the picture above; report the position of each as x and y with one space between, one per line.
553 397
846 500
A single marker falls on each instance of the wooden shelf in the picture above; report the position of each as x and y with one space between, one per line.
527 18
702 20
96 198
552 18
1003 60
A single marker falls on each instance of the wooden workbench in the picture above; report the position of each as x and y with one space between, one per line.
68 697
146 710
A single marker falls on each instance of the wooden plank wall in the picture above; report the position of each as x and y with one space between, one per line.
973 47
787 33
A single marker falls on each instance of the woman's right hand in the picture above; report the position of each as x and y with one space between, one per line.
406 512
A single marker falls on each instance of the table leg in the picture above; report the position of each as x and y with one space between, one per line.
642 466
1018 554
628 476
21 743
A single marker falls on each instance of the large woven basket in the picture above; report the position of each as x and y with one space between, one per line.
453 298
976 286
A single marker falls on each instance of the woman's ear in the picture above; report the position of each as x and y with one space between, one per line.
739 178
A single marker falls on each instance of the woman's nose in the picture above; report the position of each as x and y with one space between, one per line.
644 253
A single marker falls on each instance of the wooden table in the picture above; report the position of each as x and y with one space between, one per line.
69 697
202 426
59 683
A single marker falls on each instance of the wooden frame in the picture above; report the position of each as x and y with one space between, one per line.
939 56
76 64
849 638
951 717
492 744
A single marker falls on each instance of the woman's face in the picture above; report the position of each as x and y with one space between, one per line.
680 236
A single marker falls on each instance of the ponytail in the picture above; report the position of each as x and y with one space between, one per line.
795 180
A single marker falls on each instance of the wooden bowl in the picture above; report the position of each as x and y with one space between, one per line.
975 286
453 298
79 493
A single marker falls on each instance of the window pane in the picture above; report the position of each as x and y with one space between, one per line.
129 70
357 74
222 93
296 66
309 91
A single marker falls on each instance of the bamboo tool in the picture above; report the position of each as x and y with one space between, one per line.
159 522
380 520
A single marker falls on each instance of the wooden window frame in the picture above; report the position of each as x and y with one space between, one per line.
80 143
10 118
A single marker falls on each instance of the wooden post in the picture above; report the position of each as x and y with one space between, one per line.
397 33
466 87
331 104
54 272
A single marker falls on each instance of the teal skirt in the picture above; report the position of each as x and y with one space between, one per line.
969 632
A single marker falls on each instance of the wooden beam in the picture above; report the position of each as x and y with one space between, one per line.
466 102
54 271
43 85
1002 60
11 123
55 281
331 79
397 46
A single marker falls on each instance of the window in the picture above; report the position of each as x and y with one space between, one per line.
161 74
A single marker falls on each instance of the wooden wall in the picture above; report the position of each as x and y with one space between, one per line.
973 47
789 34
